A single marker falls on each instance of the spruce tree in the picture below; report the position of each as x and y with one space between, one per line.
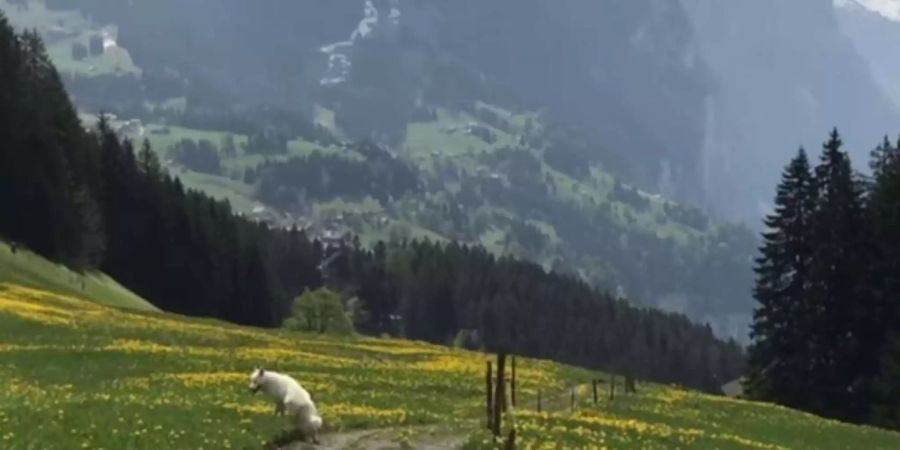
884 214
148 162
885 411
778 356
840 338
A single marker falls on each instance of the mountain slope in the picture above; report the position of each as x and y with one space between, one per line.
533 121
686 109
497 159
88 199
785 74
521 194
695 99
143 380
875 35
24 268
646 107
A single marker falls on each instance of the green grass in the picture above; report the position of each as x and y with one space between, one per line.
61 30
664 417
81 375
239 194
445 137
492 239
163 137
365 207
223 186
427 142
325 117
25 268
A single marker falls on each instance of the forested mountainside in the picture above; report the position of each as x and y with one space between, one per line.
375 61
576 134
466 148
89 199
658 88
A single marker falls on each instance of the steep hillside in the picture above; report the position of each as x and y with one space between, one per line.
575 134
490 177
875 34
24 268
85 196
109 378
785 75
373 62
79 46
694 99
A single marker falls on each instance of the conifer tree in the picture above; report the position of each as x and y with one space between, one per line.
884 214
842 305
148 162
777 358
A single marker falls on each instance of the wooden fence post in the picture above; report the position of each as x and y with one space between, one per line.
489 388
594 385
612 387
630 385
511 440
512 382
572 400
499 393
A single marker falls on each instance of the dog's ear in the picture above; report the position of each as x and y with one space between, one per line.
262 371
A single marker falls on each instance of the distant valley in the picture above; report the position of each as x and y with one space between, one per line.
384 120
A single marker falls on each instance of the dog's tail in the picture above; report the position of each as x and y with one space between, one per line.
315 421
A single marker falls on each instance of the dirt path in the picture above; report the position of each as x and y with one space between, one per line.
418 438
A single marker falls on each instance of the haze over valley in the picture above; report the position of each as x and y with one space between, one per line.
633 144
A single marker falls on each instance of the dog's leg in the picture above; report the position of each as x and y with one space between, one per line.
304 435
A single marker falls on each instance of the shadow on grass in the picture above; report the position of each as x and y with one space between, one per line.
289 440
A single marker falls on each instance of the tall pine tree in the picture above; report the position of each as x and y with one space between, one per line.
884 214
778 358
842 357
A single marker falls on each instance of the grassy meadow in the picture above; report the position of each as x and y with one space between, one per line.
27 269
80 374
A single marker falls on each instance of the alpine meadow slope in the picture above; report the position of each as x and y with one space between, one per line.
143 380
24 268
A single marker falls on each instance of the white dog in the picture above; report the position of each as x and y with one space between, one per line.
290 398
